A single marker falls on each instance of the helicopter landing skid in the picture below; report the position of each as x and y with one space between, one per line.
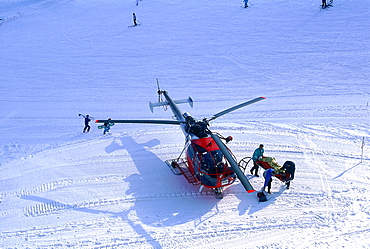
218 193
174 166
179 167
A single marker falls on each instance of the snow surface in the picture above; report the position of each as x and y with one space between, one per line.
61 188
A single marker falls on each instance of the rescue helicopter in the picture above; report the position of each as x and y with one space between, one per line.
208 162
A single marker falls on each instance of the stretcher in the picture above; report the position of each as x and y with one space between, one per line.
265 163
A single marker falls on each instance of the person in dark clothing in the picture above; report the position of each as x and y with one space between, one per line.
107 126
134 18
257 155
87 121
323 4
289 168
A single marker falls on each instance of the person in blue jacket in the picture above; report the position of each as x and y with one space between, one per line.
245 3
257 155
289 168
268 179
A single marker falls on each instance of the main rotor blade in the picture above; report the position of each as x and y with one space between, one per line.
139 121
246 184
236 107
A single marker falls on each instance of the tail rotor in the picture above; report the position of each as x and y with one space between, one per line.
159 91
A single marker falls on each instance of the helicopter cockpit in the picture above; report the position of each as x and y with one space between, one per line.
212 162
209 163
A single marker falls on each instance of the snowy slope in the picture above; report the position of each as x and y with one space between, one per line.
62 188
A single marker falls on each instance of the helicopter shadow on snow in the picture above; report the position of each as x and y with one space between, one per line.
171 200
161 198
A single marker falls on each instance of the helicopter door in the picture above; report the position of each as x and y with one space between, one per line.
193 161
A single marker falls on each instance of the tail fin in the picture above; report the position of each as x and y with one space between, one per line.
165 103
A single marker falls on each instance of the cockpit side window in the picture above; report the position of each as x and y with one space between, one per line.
217 156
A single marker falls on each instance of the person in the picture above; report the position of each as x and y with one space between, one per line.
107 126
323 4
289 168
245 3
134 19
87 121
257 156
268 179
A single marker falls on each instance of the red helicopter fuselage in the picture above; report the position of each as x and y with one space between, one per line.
208 164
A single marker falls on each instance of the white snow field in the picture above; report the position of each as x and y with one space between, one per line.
61 188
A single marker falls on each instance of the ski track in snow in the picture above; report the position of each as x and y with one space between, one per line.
317 205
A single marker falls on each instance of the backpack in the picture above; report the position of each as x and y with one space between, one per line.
261 197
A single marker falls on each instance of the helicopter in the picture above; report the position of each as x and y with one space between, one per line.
208 161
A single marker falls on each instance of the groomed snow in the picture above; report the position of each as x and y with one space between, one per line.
61 188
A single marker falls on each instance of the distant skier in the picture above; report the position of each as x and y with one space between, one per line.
245 3
87 121
324 5
134 19
257 156
268 179
289 168
107 126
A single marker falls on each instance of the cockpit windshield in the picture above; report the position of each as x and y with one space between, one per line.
211 160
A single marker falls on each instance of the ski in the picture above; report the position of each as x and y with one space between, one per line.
131 26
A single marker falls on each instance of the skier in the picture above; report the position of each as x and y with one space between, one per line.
245 3
289 168
87 121
257 156
134 19
323 4
268 179
107 126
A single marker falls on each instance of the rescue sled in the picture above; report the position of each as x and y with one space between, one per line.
265 163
